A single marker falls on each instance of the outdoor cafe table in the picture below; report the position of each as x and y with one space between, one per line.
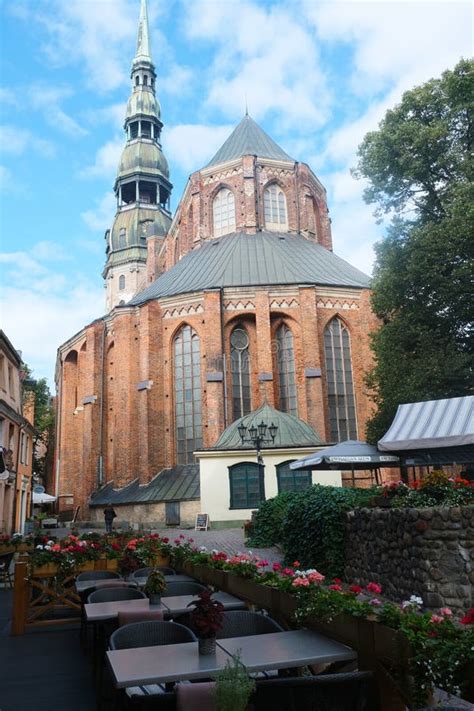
101 611
168 578
82 585
179 604
177 662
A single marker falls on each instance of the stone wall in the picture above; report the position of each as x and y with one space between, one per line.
147 516
427 552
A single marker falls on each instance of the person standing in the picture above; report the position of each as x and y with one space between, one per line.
109 515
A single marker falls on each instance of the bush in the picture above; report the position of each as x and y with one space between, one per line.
314 531
268 520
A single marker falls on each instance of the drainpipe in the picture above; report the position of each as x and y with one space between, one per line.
257 195
297 199
224 368
100 462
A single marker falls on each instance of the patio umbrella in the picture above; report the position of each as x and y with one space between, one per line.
43 498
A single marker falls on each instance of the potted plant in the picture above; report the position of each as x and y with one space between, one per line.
155 586
233 686
205 620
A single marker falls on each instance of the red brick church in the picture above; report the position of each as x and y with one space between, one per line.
235 301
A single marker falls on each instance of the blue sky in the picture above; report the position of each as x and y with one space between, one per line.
317 77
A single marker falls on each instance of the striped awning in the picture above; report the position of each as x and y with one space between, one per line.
431 424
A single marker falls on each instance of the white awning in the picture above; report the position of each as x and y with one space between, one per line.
43 498
431 424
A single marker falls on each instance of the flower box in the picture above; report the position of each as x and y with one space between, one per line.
259 595
85 566
160 560
45 569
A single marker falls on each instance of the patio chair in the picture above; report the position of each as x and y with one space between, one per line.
329 692
5 563
127 618
105 584
99 575
150 634
113 594
183 588
241 623
145 572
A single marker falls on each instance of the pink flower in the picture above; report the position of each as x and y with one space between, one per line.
165 540
56 547
315 578
338 581
181 535
288 571
446 612
276 567
296 564
336 587
262 563
375 601
177 541
191 540
436 619
300 582
374 588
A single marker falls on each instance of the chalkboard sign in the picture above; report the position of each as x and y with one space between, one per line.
202 522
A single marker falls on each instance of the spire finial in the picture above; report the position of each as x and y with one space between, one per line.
246 105
143 52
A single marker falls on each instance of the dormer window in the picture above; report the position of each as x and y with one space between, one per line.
122 238
274 203
223 209
121 282
134 129
145 80
137 81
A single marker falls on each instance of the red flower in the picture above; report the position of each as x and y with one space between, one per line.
336 587
276 567
165 540
338 581
288 571
468 618
374 588
296 564
356 589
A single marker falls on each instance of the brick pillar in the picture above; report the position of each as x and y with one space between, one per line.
264 350
213 370
312 389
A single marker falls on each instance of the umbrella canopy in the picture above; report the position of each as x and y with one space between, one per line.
351 454
43 498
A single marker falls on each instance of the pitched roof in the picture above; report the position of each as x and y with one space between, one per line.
180 483
434 423
248 139
259 259
292 432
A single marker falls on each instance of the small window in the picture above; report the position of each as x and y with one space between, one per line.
274 202
10 380
292 480
223 209
137 81
121 282
145 80
134 129
247 489
122 240
146 129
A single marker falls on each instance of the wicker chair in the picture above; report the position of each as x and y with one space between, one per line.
5 563
240 623
145 572
328 692
183 588
99 575
115 593
150 634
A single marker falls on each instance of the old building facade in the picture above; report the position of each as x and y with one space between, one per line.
239 301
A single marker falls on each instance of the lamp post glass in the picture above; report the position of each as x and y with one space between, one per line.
258 436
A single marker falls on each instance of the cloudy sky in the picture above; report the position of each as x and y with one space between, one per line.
317 77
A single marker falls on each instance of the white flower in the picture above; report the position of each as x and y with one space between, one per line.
215 551
39 547
50 543
47 548
203 548
416 600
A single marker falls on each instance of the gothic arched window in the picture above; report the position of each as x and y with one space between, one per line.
286 370
341 401
240 370
121 282
274 204
187 391
223 211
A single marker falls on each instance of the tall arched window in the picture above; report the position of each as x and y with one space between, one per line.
286 370
187 390
337 351
121 282
240 370
274 203
122 238
223 210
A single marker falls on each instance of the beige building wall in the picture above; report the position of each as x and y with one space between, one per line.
147 515
214 473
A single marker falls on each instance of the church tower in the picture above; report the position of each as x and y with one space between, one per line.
142 186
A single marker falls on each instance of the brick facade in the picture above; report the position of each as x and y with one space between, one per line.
115 378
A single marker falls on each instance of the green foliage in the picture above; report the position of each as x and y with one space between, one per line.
314 531
156 583
420 169
233 686
43 421
268 520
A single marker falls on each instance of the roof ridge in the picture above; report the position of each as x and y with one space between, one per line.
248 138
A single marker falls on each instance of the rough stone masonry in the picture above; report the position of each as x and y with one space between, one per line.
427 552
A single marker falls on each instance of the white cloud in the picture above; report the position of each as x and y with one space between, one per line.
50 252
190 146
47 99
177 81
100 218
106 160
264 54
17 140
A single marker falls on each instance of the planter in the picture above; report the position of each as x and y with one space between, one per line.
187 568
216 578
111 564
155 598
259 595
160 560
46 569
283 604
207 646
85 566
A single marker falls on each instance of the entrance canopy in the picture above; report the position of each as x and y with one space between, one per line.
351 454
431 424
43 498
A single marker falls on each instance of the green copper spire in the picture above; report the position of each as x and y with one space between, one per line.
143 53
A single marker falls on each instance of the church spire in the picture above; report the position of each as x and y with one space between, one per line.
143 53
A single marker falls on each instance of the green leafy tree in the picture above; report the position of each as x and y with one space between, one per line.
43 421
419 168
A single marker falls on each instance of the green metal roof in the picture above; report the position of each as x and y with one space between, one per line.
259 259
248 139
180 483
292 432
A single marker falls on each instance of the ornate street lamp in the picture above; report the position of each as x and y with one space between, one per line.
257 435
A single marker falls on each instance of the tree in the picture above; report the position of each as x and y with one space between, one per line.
43 420
420 170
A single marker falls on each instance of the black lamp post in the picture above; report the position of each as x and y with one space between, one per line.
258 435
